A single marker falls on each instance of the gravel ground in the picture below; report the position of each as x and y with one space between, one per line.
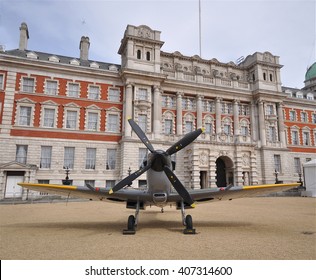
273 228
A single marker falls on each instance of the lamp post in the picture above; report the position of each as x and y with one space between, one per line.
67 181
276 176
129 173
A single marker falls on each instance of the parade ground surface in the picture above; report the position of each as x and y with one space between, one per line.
270 228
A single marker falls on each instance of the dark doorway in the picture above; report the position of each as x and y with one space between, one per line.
220 173
203 179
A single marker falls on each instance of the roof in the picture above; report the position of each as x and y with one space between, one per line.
62 59
311 72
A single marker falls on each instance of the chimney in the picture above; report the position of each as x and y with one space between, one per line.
24 36
84 48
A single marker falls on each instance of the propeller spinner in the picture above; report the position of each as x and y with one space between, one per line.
158 161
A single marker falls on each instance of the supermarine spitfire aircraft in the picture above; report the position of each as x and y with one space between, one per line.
160 180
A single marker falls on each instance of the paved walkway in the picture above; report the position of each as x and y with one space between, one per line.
252 228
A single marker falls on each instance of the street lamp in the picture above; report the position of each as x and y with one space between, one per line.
276 176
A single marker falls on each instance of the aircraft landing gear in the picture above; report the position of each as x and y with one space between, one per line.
187 222
132 222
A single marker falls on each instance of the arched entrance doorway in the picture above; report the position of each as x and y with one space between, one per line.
224 172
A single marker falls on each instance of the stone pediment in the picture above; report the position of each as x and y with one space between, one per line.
16 166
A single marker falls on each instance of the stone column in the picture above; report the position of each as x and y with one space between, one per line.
281 124
253 120
199 111
236 117
128 109
218 115
179 113
262 129
157 111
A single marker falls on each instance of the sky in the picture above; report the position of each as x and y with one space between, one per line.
230 29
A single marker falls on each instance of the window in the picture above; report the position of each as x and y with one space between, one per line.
148 56
188 126
93 121
1 81
314 118
90 183
142 155
264 76
227 129
168 127
294 135
73 90
109 184
272 137
208 128
270 110
28 85
303 117
142 94
297 165
25 115
114 95
277 163
139 54
90 158
69 157
208 106
111 159
51 87
21 153
94 92
71 119
292 116
113 123
244 130
243 110
46 156
305 138
227 108
49 117
142 122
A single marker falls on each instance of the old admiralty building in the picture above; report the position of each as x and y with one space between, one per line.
59 112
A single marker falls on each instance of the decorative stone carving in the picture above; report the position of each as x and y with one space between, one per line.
204 158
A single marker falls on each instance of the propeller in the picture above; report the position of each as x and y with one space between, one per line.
182 191
157 161
129 179
141 135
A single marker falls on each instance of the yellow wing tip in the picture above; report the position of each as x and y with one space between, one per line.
193 205
129 118
203 129
110 191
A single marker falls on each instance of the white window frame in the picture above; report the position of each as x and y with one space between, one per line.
70 89
114 94
295 131
1 81
67 120
94 95
91 158
46 157
26 87
111 162
51 87
69 157
21 153
109 126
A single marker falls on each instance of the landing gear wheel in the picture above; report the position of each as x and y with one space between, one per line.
130 225
189 225
189 222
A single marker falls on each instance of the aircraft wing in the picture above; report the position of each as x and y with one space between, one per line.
218 194
88 192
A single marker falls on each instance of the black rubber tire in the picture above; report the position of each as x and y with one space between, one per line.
188 222
131 223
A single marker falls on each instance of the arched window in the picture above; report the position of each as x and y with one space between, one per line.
148 56
139 54
264 76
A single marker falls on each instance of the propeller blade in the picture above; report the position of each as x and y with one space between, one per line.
185 141
141 135
129 179
179 187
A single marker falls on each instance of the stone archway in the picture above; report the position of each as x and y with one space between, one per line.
224 172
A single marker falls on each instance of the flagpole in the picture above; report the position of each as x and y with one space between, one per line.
200 44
